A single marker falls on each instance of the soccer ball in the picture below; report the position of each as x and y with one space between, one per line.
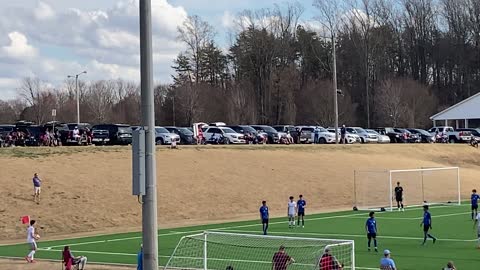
37 236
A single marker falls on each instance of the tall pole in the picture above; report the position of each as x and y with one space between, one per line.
149 206
78 100
335 94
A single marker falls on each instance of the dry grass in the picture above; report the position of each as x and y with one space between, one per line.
87 190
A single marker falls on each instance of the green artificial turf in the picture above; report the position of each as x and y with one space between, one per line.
400 232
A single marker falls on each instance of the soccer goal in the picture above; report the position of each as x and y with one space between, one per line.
223 250
376 189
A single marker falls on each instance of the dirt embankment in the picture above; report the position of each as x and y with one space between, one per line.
90 191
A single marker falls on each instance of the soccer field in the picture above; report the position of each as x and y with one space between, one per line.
400 232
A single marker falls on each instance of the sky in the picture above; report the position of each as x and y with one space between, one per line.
51 39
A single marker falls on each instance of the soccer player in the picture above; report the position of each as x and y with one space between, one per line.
291 211
281 260
37 182
264 216
328 261
301 204
427 225
474 198
386 263
31 240
399 197
371 228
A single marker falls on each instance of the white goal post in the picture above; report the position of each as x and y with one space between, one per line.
235 251
374 190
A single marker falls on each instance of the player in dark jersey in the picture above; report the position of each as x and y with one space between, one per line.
264 216
427 225
301 204
474 200
399 197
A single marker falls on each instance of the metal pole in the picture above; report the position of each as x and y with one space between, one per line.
335 97
78 101
149 207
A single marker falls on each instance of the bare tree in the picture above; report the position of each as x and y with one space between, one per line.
100 99
390 106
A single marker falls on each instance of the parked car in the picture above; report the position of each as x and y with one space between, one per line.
395 137
424 136
351 138
365 137
306 133
408 136
324 136
288 129
272 135
164 136
185 134
473 131
66 132
112 134
251 134
228 133
381 138
451 135
5 130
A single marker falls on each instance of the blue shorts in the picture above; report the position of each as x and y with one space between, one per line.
426 228
264 220
474 206
301 213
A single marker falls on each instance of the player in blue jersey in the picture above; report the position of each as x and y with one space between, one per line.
301 204
264 216
427 225
371 228
474 199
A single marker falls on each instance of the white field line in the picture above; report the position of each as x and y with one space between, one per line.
359 235
197 231
419 218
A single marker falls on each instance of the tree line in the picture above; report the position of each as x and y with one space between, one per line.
398 62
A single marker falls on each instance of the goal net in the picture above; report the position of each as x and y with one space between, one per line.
376 189
222 250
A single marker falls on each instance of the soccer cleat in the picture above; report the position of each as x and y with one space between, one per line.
33 261
403 209
434 240
368 249
376 250
303 226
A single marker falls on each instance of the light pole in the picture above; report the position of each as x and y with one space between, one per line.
77 94
335 89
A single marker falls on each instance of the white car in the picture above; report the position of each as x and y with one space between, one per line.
381 138
230 134
365 137
351 138
324 136
163 136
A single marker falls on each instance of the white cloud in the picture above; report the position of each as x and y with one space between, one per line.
43 11
228 19
105 41
18 47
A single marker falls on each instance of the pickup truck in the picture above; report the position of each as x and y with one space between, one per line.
452 135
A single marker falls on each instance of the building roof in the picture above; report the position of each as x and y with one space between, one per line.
466 109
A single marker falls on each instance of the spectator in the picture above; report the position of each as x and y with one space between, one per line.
343 133
88 134
450 266
76 133
140 258
386 263
290 138
328 261
70 259
37 182
316 135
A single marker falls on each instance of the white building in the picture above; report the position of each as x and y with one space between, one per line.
466 114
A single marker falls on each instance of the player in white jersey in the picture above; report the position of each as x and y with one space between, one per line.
477 223
291 212
31 240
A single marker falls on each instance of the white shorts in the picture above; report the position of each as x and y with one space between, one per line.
33 245
37 190
290 215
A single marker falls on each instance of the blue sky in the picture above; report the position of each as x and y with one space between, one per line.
51 39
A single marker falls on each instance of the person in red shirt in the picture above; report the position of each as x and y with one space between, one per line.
329 262
281 260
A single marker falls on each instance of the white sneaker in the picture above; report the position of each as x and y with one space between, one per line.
403 209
